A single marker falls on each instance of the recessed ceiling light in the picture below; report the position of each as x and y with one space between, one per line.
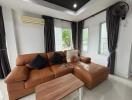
74 5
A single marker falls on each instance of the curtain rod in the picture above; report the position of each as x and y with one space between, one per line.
91 15
101 11
95 14
87 17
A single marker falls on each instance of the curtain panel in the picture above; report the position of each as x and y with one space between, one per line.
113 17
113 30
80 33
74 34
4 62
49 35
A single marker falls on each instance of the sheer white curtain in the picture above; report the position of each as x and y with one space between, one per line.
62 24
59 26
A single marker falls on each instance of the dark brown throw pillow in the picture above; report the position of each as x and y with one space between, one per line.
38 62
57 59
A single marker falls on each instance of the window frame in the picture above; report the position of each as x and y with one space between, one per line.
100 35
71 44
87 40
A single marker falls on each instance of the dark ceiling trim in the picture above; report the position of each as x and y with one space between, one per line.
68 4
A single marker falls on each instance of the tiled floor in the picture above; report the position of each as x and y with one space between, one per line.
114 88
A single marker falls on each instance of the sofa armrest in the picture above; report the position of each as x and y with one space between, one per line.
85 59
19 73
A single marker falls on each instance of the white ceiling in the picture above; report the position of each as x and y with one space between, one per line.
43 8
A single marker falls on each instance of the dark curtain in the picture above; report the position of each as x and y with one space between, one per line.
113 30
80 31
74 34
4 62
113 17
49 35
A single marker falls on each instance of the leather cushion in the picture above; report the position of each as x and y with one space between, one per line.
38 62
61 69
37 77
70 54
85 59
91 74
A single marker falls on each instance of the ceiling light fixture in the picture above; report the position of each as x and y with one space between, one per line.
74 5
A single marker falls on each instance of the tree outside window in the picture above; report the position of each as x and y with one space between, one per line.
66 38
85 40
103 46
63 38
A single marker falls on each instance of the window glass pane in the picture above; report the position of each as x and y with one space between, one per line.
103 40
58 38
85 40
66 38
63 39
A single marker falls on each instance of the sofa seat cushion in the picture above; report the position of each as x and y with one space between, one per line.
91 74
61 69
39 76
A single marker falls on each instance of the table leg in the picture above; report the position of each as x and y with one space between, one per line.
81 93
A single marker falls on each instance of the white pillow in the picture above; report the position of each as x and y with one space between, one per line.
71 53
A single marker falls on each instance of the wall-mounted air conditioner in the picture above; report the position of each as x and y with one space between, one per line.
32 20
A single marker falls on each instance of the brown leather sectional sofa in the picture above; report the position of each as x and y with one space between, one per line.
22 80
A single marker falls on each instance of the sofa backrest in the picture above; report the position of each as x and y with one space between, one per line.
27 58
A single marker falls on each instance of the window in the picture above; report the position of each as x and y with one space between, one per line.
63 38
103 46
85 40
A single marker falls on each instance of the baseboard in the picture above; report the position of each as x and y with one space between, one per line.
130 74
122 80
121 74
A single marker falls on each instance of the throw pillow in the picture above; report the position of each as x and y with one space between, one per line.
38 62
74 59
70 54
57 59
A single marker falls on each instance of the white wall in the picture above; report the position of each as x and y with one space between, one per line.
10 35
22 38
29 37
130 72
93 25
123 61
124 45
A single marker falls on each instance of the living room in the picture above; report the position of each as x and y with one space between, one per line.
86 34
